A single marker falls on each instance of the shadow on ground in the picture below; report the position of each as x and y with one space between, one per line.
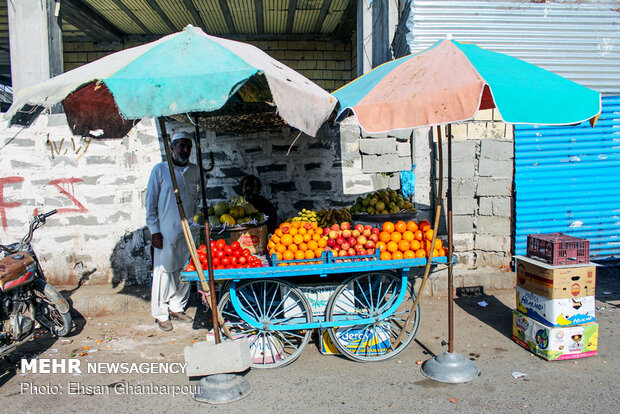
495 314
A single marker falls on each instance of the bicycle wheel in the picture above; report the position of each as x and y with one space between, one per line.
368 296
270 302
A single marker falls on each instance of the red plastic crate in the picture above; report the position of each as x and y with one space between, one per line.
558 249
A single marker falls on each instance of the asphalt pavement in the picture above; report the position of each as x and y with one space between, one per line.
330 384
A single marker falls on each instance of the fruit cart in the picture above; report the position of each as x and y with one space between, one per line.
369 315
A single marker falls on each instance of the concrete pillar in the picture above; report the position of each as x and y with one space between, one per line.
364 36
376 25
36 41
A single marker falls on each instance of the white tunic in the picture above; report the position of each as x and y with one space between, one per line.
162 213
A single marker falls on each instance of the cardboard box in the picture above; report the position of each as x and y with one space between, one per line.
556 282
252 238
555 344
556 312
353 339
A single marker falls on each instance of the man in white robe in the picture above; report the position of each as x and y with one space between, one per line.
169 295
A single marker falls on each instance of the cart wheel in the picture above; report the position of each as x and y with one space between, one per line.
369 295
271 302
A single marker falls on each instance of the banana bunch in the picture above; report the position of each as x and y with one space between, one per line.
305 215
333 216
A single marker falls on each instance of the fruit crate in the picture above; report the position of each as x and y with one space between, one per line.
345 259
276 262
558 249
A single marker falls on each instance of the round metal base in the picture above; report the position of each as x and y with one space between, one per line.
449 367
222 389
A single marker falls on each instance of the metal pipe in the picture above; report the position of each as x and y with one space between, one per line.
450 247
205 215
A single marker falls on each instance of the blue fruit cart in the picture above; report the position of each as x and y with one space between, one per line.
371 312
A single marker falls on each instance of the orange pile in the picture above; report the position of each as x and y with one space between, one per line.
298 240
408 240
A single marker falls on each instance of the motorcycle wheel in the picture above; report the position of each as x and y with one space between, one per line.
48 303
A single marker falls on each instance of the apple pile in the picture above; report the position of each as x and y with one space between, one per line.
225 256
344 241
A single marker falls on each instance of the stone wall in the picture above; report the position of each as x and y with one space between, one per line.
328 64
482 192
98 234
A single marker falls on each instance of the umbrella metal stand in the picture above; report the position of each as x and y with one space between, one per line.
449 367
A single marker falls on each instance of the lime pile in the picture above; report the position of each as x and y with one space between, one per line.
382 202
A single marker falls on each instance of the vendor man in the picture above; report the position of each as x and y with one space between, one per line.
168 295
250 188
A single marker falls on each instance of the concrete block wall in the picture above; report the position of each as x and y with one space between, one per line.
329 64
98 234
482 187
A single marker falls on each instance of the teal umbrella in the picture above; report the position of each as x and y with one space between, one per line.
186 72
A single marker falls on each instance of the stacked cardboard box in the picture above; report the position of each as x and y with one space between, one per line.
555 309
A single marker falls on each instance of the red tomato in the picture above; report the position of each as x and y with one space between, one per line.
238 266
233 260
228 250
221 244
246 266
214 251
220 267
216 261
202 249
235 245
225 261
221 254
245 252
213 244
202 256
237 253
242 260
190 268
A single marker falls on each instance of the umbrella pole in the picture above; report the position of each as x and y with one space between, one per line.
450 247
205 215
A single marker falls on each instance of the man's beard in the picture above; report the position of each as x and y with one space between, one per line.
181 158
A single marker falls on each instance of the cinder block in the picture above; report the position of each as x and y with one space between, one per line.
373 135
462 187
463 224
378 146
495 168
461 150
465 206
462 169
497 149
492 243
484 115
499 226
207 358
489 186
404 134
485 206
502 206
459 132
496 130
494 259
403 149
476 130
463 242
385 163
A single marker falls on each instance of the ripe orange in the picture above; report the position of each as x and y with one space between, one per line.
408 235
302 230
271 245
309 254
420 253
380 245
288 255
318 252
316 236
412 226
438 244
278 232
280 248
293 230
386 256
415 245
403 245
296 224
322 242
392 246
424 225
442 252
286 239
418 235
384 236
307 237
428 235
388 226
293 247
435 253
400 226
397 255
279 256
298 239
409 254
299 255
312 245
396 236
303 247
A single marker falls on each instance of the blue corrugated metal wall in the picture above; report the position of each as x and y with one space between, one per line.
567 180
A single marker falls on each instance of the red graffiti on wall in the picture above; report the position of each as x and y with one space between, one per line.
3 204
58 184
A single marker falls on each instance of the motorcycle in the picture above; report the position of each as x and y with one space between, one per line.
27 301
